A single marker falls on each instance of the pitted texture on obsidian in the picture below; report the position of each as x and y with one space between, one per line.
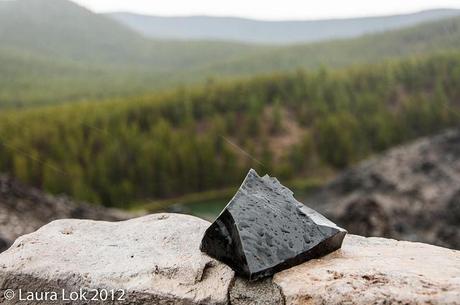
264 230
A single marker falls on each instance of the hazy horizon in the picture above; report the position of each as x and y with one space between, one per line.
270 10
275 20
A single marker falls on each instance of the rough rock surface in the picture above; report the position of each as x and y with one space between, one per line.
412 192
376 271
263 292
155 259
24 209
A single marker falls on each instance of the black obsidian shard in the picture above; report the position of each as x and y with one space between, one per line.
263 230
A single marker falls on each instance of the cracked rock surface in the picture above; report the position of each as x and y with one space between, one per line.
156 260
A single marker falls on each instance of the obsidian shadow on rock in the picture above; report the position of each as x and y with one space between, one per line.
264 229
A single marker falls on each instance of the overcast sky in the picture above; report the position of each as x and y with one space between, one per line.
269 9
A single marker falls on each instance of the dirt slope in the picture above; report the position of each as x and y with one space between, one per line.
411 192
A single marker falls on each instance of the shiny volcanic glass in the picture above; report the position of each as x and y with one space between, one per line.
263 230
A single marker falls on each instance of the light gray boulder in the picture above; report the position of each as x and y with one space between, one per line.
375 271
24 209
154 259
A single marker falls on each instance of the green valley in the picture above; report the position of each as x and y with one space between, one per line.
295 125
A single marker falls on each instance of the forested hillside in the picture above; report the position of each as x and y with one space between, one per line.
60 29
28 79
54 51
188 140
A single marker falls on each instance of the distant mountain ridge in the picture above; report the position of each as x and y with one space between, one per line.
419 40
64 30
271 32
55 51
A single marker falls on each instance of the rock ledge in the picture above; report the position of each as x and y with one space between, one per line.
156 260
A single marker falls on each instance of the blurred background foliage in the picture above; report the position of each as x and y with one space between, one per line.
93 109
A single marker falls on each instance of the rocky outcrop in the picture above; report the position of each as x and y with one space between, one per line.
376 271
156 260
412 192
24 209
